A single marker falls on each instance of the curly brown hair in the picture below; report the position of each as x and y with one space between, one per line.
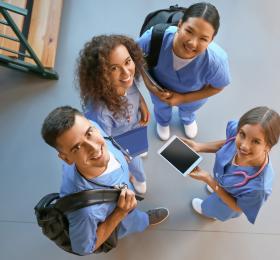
93 74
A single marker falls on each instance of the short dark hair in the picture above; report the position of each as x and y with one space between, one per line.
206 11
57 122
267 118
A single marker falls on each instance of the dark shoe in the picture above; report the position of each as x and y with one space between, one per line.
158 215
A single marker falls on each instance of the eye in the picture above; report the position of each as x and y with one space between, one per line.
204 39
114 68
241 134
256 142
76 149
188 31
128 61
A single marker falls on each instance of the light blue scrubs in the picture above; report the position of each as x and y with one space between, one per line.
116 126
83 223
249 197
210 67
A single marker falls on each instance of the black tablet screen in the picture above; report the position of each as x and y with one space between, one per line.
179 155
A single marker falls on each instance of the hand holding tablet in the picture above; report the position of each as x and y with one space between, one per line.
182 157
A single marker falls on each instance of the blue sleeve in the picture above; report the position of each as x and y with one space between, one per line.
101 116
82 231
231 129
220 78
144 41
250 203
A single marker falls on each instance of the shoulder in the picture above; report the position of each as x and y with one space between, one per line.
216 53
231 129
70 181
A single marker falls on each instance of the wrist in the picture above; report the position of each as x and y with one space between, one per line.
120 213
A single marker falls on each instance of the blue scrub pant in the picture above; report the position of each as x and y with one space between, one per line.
163 112
136 168
214 207
135 221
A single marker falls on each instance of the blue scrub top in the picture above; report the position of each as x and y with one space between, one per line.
112 125
83 223
249 197
210 67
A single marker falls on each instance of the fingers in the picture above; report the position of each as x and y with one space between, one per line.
127 200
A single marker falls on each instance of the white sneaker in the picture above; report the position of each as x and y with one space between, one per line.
209 188
163 132
191 130
196 204
143 155
140 187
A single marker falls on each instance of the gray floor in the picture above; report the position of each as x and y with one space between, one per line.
30 169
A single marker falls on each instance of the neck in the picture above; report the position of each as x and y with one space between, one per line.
92 172
255 163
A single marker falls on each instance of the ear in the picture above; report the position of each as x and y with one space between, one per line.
179 23
64 157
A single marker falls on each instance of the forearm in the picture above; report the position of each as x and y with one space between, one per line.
205 92
106 228
225 197
211 147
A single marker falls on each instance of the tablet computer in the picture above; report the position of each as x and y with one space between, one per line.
182 157
135 141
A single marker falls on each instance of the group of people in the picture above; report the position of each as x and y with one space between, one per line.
190 68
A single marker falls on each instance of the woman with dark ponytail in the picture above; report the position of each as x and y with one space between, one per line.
191 67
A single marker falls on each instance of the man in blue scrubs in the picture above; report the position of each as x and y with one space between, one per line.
89 157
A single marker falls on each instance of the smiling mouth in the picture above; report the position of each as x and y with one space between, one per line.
242 152
126 80
189 49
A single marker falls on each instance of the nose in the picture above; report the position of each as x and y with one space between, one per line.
244 145
193 42
91 146
125 70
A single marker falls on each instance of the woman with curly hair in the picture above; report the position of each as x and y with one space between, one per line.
108 78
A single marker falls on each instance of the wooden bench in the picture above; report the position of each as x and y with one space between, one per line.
6 30
43 31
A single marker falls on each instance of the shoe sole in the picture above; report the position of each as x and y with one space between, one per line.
161 220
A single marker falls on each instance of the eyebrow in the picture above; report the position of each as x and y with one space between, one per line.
128 57
77 144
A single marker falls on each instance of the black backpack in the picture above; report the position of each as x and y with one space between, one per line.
161 20
50 214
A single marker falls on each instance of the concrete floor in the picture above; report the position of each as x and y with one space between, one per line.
30 169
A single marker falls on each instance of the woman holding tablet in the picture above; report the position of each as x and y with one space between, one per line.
190 68
243 172
109 93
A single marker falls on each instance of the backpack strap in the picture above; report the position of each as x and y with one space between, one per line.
79 200
86 198
155 44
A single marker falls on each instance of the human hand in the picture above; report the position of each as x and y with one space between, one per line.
145 114
191 143
127 201
173 98
200 174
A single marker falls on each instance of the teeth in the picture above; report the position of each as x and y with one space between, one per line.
125 80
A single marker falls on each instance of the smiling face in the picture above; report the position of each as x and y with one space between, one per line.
251 145
192 38
122 69
83 145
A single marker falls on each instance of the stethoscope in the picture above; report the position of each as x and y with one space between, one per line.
243 173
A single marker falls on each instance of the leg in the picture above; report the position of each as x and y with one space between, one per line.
214 207
163 112
187 111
